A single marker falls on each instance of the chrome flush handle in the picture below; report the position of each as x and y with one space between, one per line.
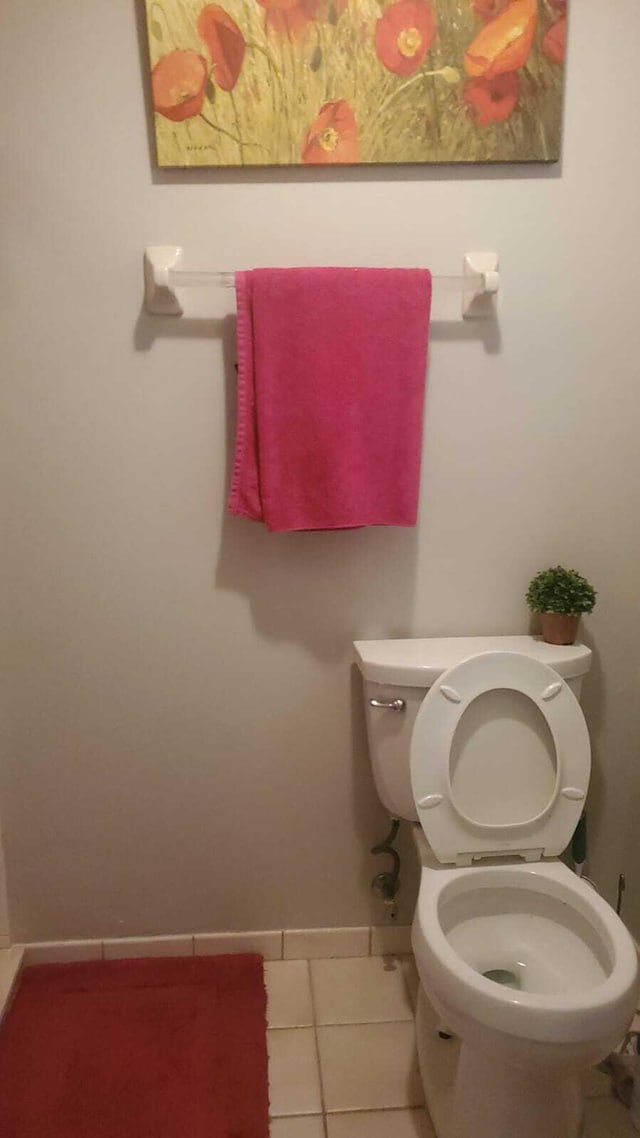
389 704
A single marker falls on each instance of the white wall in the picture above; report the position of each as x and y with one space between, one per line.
186 748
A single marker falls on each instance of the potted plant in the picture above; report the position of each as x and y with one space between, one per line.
560 596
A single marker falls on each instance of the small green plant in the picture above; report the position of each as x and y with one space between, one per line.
560 590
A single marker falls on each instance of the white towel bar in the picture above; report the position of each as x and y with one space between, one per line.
478 283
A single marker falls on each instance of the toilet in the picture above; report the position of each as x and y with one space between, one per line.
527 976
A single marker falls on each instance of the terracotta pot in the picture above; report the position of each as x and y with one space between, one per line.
559 627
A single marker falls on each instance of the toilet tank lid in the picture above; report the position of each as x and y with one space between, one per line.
418 663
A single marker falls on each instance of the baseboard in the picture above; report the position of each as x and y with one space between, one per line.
279 944
11 961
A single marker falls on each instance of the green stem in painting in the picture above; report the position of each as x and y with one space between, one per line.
276 118
263 51
228 133
291 62
235 115
449 74
220 129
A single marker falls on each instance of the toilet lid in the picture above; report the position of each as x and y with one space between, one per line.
500 760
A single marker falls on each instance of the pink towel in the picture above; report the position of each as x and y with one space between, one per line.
331 379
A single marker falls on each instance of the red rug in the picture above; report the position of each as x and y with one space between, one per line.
137 1049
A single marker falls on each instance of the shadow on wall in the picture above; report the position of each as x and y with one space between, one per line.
318 590
592 699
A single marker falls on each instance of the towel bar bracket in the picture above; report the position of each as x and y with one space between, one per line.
479 302
159 291
479 282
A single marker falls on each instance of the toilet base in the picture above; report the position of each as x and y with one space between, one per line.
470 1095
496 1101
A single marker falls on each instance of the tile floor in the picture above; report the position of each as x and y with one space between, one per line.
341 1053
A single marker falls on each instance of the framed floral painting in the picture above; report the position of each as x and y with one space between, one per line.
321 82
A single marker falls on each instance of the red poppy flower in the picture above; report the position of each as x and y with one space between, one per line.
504 43
333 137
404 34
291 24
285 19
225 44
488 9
178 84
290 20
492 100
554 43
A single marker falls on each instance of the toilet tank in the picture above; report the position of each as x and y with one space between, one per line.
404 670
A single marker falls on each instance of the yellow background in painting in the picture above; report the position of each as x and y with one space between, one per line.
285 81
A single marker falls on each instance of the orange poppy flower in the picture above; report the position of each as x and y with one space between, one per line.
492 100
488 9
285 19
554 44
290 20
327 10
504 43
404 34
178 84
290 24
333 137
225 44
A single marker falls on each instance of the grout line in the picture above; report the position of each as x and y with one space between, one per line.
314 1016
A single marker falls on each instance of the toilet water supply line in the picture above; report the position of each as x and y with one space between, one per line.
386 885
579 845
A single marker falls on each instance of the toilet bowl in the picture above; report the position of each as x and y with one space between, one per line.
523 961
526 960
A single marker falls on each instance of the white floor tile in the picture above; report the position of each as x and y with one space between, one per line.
309 1127
369 1066
308 943
294 1082
268 944
608 1118
288 993
63 951
368 989
141 947
381 1124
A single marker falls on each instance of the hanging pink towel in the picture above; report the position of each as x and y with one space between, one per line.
331 379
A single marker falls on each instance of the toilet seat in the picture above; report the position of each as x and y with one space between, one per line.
512 783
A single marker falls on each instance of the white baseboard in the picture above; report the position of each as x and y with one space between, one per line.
279 944
11 961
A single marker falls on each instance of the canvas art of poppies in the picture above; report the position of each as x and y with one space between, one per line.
325 82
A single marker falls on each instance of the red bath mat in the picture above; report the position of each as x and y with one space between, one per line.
137 1049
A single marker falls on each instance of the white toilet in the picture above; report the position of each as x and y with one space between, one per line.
483 742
